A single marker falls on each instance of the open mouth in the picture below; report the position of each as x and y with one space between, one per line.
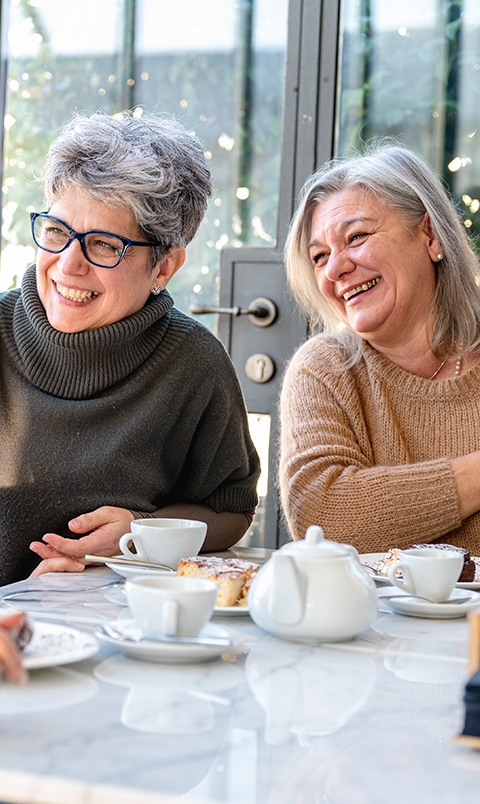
75 295
350 294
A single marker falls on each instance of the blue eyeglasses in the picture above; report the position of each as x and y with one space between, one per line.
103 249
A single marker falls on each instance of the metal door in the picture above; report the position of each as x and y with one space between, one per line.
252 277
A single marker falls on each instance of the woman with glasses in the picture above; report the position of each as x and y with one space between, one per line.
113 404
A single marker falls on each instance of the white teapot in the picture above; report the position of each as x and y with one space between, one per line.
313 590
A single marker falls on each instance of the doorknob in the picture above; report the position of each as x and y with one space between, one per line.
261 312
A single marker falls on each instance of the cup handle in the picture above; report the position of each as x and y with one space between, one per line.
123 545
405 582
170 618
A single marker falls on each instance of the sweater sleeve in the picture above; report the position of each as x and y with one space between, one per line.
221 466
328 474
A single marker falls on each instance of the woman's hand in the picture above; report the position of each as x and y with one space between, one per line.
103 528
10 662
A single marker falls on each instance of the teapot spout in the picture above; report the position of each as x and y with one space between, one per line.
287 598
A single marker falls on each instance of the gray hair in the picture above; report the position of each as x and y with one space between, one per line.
148 164
407 184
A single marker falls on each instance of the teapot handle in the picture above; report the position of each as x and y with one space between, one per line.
286 603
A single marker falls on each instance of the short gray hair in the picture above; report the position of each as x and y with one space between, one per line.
149 164
407 184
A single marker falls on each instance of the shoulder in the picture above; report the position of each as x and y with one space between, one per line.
200 353
197 336
321 355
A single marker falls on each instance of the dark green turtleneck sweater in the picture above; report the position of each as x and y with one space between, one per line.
139 414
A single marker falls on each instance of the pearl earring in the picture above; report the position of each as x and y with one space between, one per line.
439 257
156 290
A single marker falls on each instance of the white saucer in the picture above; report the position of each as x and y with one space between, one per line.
130 572
169 652
54 644
414 607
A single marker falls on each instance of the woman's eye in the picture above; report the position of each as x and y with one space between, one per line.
354 238
319 258
104 245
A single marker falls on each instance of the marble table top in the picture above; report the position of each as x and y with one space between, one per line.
370 721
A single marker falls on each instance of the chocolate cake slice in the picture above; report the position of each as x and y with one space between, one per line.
468 571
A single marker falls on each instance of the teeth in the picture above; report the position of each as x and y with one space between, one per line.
360 288
76 295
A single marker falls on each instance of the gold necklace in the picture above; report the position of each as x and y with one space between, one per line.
439 368
458 364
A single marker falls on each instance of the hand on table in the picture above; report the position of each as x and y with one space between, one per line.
103 527
10 662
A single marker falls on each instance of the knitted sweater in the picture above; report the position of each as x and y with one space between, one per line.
139 414
365 451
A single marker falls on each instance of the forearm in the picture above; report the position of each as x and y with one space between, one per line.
372 508
466 473
224 529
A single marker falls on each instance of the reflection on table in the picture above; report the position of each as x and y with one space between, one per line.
272 722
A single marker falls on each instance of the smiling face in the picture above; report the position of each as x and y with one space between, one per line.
78 296
376 274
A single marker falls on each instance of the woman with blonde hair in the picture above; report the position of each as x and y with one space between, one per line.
380 440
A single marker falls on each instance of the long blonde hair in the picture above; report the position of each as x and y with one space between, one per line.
405 182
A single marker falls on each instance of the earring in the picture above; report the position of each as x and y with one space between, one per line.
156 290
439 257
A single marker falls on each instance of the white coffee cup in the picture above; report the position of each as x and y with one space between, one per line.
427 572
171 606
164 541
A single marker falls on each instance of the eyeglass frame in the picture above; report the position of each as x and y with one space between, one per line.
80 236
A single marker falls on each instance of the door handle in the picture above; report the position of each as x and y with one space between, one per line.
261 312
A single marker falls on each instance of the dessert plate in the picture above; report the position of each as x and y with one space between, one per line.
118 595
231 611
54 644
414 607
130 570
370 559
169 652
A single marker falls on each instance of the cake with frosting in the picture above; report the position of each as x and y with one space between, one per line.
233 576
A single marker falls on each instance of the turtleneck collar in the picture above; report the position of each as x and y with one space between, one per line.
81 364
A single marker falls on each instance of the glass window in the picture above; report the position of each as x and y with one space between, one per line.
218 66
411 70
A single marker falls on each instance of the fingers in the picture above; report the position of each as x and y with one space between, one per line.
103 528
107 514
10 662
54 545
44 550
59 564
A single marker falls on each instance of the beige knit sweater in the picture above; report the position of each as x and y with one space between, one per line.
364 451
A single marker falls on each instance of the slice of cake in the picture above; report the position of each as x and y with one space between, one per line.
383 565
233 576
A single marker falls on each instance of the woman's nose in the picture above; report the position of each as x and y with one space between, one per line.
338 263
72 260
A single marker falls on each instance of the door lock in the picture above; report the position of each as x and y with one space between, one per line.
259 368
261 312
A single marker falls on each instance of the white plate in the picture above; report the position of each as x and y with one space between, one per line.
231 611
414 607
381 580
54 644
129 572
169 652
118 595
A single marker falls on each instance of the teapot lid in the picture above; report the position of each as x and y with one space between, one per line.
315 545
